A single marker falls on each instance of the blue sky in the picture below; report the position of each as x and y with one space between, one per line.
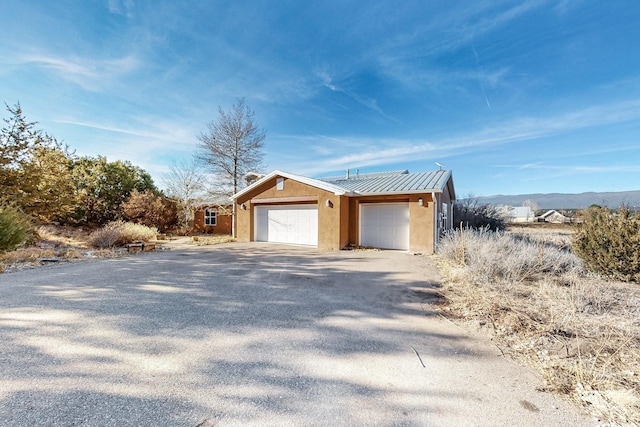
513 96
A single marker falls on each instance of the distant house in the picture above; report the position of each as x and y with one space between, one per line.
520 214
213 216
553 216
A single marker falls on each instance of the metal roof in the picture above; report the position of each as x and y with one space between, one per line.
393 183
397 182
351 175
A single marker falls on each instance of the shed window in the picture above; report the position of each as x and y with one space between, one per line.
279 183
210 217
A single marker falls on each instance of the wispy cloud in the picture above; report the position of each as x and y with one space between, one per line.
459 28
469 26
375 151
541 171
397 57
370 103
122 7
88 73
564 6
575 169
60 65
173 133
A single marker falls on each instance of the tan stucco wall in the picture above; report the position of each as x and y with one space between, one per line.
421 223
329 221
243 225
420 219
344 221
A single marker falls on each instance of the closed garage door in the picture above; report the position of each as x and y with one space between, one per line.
385 225
294 224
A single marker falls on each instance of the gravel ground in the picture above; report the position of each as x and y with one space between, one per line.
251 334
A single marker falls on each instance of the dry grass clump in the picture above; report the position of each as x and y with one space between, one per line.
580 330
487 256
120 233
137 232
105 237
560 235
61 235
26 255
71 253
64 243
107 253
212 240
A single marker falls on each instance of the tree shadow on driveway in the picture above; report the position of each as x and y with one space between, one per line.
243 334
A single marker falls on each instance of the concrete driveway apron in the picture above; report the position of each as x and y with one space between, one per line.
251 334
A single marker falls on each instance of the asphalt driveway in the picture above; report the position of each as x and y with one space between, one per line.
251 334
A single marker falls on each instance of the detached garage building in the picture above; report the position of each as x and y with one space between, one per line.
390 210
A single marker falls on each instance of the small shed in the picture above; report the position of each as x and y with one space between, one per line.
554 217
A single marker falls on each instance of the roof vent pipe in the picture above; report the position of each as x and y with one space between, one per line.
347 174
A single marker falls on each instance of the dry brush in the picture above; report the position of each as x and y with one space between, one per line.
580 330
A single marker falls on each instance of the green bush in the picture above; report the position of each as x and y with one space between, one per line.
15 229
609 242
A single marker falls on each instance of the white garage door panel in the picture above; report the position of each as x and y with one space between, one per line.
294 224
385 225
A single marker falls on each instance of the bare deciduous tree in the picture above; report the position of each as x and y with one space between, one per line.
232 145
469 213
186 182
531 204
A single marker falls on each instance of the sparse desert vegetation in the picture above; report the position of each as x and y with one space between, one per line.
121 233
609 242
69 243
540 305
63 243
211 240
15 228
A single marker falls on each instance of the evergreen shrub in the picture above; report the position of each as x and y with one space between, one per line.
15 228
609 242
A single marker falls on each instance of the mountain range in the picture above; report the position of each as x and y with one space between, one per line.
568 201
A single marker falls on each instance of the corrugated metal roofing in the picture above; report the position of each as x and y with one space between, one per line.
397 182
400 182
356 175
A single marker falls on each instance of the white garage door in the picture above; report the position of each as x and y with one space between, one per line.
385 225
294 224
